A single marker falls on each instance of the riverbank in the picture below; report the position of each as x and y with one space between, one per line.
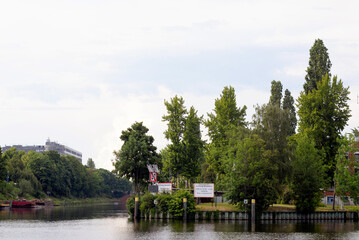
81 201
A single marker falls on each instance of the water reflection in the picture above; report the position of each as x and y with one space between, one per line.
63 212
108 221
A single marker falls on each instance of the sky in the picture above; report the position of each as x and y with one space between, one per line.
80 72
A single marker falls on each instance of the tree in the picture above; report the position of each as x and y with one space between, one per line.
193 146
308 174
226 116
346 177
176 123
272 124
250 174
44 170
135 154
3 171
288 105
355 132
183 157
319 66
90 163
276 93
323 114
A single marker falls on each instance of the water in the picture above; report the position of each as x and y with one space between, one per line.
109 221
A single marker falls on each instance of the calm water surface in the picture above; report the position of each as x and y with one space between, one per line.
109 221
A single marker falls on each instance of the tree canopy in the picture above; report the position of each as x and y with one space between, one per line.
135 154
319 66
323 114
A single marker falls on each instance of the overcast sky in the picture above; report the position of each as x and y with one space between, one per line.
80 72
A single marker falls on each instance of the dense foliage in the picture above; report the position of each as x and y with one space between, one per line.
184 155
267 158
38 175
135 154
323 114
319 66
226 116
346 174
250 174
308 174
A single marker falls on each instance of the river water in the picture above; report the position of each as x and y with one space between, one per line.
109 221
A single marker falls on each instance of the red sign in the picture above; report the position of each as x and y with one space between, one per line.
153 177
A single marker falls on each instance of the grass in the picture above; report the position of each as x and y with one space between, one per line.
220 207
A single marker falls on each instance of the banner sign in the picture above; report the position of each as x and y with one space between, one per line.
164 187
203 190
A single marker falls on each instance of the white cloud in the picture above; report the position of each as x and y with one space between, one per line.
74 71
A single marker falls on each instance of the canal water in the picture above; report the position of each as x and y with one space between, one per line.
109 221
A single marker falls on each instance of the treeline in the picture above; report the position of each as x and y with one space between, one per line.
269 159
47 174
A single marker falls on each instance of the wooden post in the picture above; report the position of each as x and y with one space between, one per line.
184 209
253 210
137 208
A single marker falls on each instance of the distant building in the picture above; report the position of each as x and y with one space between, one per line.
35 148
61 149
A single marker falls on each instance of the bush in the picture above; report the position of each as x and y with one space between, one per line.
163 201
147 203
25 188
175 205
130 205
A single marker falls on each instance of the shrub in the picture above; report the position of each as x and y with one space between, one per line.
130 205
147 202
163 201
25 187
175 205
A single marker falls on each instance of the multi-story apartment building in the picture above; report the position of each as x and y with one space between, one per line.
61 149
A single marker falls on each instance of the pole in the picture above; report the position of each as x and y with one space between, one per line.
137 208
253 210
184 209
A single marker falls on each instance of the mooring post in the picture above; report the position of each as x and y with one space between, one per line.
184 209
137 208
253 210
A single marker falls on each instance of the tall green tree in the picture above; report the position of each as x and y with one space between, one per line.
182 158
272 124
176 123
225 116
288 105
249 172
319 66
323 114
135 154
308 174
276 93
193 146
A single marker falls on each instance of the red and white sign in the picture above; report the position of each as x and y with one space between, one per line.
164 187
203 190
153 177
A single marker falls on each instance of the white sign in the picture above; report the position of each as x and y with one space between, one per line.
164 187
204 190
